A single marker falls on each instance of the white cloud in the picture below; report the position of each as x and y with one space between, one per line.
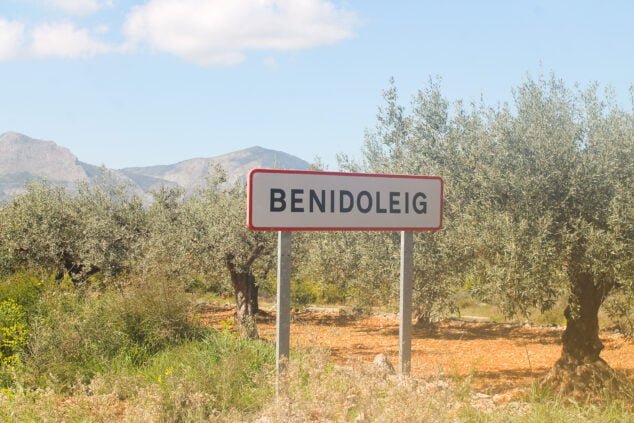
221 32
11 39
65 40
79 7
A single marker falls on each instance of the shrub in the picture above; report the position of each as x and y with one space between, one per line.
620 309
198 380
304 292
13 337
71 339
22 287
6 262
309 292
153 314
77 335
219 373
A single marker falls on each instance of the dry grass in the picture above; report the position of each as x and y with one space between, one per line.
315 391
321 392
318 391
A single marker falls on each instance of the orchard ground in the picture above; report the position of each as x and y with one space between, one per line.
495 358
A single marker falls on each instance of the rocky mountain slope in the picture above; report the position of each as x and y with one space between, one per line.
24 159
191 174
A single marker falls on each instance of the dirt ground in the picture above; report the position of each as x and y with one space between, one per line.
498 357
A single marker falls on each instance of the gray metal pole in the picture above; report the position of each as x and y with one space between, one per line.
405 324
283 320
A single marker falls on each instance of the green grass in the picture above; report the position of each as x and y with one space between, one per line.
137 355
195 380
215 376
231 373
220 377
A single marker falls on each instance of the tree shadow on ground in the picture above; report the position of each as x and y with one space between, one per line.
499 381
350 338
465 331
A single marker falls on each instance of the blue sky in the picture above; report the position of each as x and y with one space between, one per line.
132 83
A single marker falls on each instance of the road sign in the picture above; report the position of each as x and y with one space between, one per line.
302 200
296 200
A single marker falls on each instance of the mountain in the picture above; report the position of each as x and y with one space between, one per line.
24 159
191 174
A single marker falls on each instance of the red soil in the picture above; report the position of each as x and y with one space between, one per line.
498 357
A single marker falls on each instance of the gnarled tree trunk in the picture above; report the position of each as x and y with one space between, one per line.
246 293
78 272
245 290
580 370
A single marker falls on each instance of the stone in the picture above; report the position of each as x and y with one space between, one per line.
382 363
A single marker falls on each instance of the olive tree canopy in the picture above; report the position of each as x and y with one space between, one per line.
539 202
100 228
221 242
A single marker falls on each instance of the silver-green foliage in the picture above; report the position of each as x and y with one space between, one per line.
216 231
555 184
411 143
536 191
98 229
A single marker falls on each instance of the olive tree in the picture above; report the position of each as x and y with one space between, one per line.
360 267
221 241
539 202
113 225
417 143
553 214
97 229
167 249
7 261
39 228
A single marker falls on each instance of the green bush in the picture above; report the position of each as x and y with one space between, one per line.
198 380
13 337
216 374
6 262
303 293
72 338
77 335
308 292
154 314
553 317
22 287
620 309
332 294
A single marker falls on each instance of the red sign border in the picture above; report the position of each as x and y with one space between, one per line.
313 172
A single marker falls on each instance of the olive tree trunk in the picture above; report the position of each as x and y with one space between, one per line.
246 292
581 343
580 370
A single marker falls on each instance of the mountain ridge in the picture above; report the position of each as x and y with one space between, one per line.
24 159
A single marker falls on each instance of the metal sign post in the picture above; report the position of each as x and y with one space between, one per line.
405 316
301 200
283 319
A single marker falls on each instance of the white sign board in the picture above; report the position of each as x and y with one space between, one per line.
295 200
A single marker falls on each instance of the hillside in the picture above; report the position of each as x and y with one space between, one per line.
24 159
191 174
